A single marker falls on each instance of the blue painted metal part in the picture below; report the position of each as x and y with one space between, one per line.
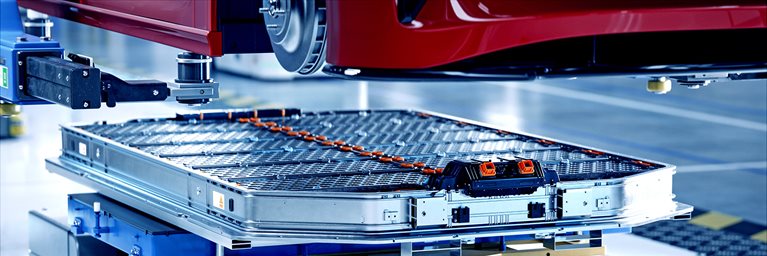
130 231
13 41
139 234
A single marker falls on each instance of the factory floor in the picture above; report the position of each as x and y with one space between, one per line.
716 135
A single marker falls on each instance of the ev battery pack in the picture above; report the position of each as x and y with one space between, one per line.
243 177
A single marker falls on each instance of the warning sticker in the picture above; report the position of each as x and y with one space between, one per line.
218 200
4 77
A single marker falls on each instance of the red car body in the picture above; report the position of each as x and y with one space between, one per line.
368 34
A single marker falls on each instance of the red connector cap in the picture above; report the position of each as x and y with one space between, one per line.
526 167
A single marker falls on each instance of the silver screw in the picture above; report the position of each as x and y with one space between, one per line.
85 73
58 76
135 251
67 78
155 92
21 87
85 104
21 63
59 96
202 91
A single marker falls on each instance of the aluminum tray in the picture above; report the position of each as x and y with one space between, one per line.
243 178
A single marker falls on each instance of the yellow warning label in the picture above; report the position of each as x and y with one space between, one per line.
218 200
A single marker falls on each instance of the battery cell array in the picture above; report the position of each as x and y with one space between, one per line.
353 151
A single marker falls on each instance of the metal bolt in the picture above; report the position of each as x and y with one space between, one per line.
21 63
274 8
155 92
86 104
77 222
58 76
202 91
21 87
59 97
135 251
85 73
67 78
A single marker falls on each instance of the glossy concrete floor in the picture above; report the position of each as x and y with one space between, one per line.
717 135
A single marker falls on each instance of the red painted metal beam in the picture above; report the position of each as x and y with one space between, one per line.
185 24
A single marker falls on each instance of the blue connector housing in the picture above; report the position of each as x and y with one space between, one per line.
15 46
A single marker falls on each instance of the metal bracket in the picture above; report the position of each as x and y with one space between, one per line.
428 211
568 242
574 202
77 226
390 215
603 203
452 248
193 91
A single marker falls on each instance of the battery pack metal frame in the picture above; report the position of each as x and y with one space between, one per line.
227 179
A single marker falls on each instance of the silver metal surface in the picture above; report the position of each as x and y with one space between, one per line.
189 172
297 30
575 202
191 91
429 211
47 237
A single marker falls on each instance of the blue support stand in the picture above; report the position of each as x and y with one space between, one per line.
138 234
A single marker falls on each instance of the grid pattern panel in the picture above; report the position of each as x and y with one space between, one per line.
258 159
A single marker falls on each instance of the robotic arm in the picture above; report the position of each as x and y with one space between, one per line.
34 71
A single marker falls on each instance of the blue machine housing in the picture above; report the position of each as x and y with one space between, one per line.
15 46
138 234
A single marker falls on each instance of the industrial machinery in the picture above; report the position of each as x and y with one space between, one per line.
238 181
251 178
403 39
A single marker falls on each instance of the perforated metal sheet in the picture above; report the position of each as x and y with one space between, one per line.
258 159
